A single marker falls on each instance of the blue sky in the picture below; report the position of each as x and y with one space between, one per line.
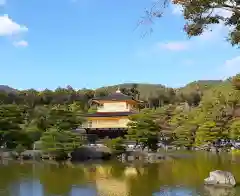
92 43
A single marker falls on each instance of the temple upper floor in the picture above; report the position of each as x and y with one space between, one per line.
115 107
115 102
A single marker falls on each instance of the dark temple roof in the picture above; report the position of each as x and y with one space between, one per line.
117 96
110 114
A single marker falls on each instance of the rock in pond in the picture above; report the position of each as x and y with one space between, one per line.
219 191
220 178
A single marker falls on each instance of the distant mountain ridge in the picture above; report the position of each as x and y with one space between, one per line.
7 88
147 90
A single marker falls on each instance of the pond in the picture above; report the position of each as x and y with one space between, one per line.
177 177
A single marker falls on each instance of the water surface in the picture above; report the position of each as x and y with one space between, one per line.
178 177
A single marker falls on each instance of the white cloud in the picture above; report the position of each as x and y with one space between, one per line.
3 2
177 9
215 32
8 27
231 67
175 46
21 43
217 36
222 12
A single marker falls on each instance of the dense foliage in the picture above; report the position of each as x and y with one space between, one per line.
47 117
206 122
199 113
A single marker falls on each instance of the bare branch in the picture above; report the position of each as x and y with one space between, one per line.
151 14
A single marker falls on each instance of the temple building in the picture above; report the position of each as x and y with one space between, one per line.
111 118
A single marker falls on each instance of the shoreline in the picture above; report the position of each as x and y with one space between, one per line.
127 156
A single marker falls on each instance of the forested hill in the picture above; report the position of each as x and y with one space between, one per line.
7 88
201 85
145 90
152 90
154 94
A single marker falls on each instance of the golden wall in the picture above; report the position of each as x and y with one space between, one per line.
101 122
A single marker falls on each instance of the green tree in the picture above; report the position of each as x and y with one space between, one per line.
19 149
116 144
235 129
59 142
144 130
236 81
207 133
162 117
64 119
11 119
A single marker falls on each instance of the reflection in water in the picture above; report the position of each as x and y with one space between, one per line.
113 179
176 191
83 191
219 191
26 187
